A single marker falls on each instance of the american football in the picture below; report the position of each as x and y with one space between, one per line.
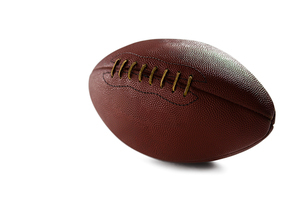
181 100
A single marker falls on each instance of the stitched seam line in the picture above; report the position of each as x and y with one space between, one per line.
119 86
193 80
191 93
235 103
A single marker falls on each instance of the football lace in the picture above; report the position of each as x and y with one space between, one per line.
151 75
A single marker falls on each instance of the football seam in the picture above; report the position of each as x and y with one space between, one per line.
205 81
235 103
128 86
182 88
172 63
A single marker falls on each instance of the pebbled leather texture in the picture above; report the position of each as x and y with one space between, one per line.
226 110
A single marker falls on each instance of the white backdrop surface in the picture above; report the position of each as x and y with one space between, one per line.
53 143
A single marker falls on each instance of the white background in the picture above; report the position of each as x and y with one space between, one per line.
52 141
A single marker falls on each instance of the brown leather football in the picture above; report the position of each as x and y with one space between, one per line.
181 100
